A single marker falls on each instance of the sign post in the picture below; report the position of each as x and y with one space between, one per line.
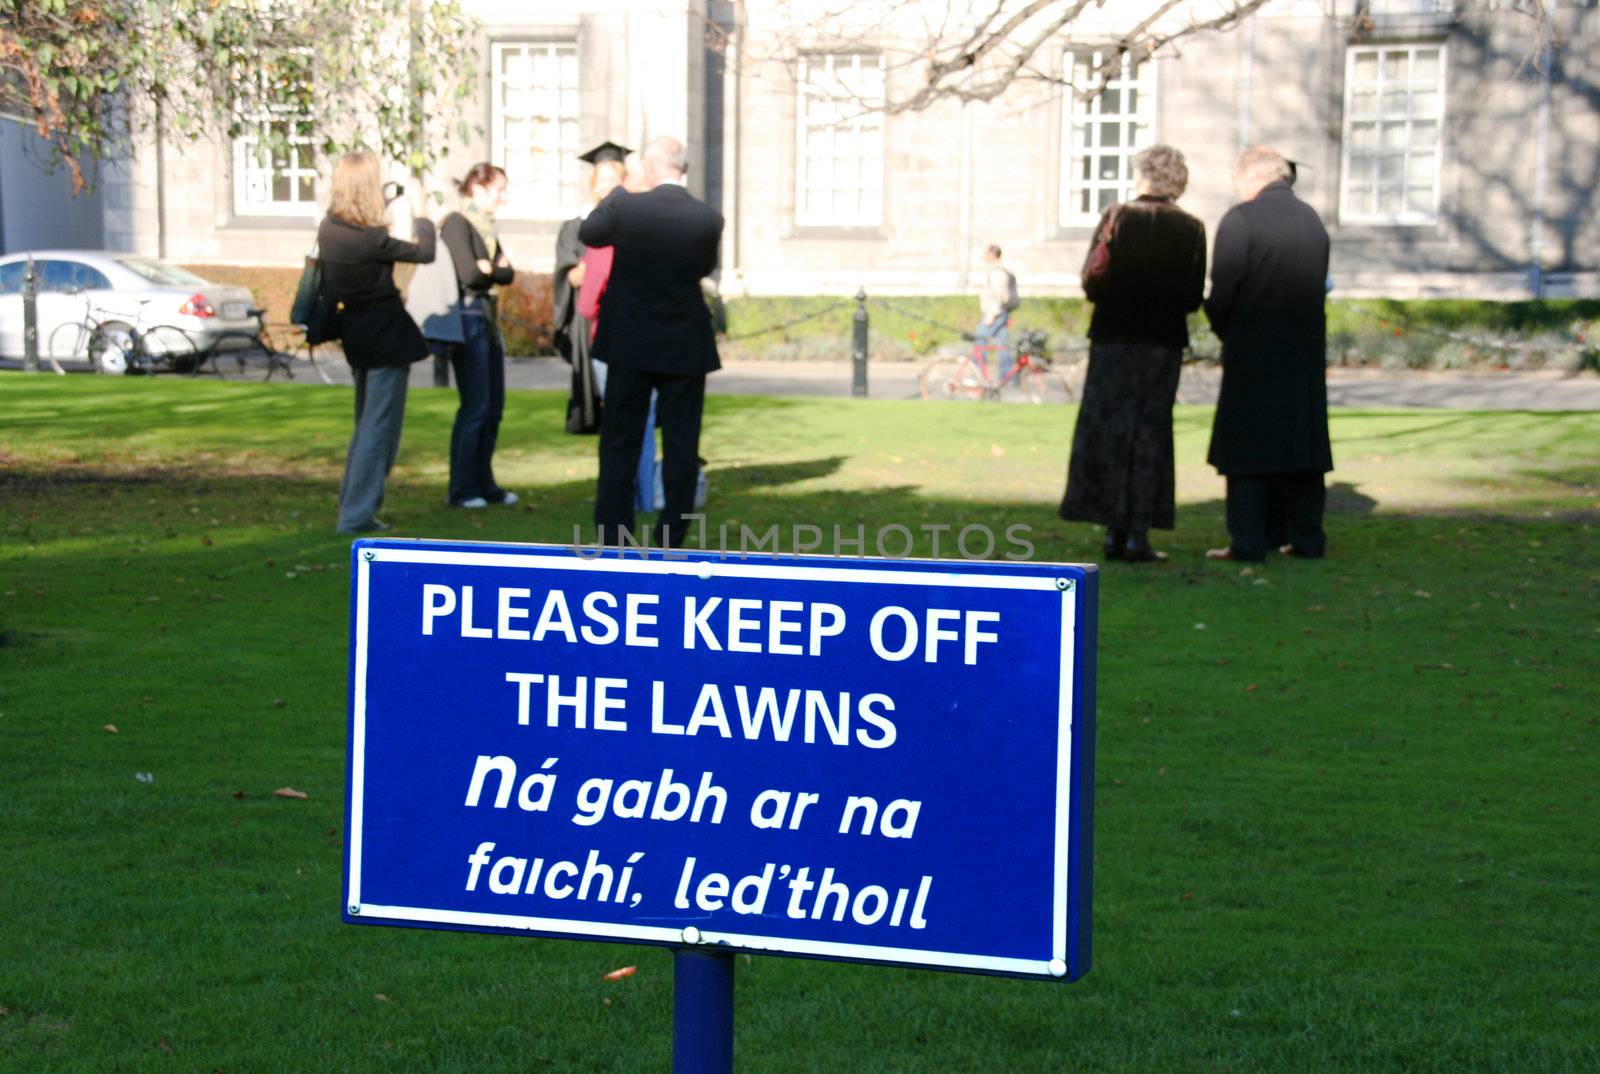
866 760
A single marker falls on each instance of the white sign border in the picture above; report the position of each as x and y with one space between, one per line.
1055 966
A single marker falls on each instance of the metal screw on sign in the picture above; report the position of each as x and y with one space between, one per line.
1066 585
370 555
355 909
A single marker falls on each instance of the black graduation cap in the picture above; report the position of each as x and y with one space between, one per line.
605 151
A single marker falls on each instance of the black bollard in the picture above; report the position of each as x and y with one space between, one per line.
30 318
858 352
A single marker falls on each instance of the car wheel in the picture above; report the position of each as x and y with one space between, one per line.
113 350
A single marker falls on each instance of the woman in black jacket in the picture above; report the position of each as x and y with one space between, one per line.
380 339
1121 473
480 361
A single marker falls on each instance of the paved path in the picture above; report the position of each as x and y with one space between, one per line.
1346 387
1544 390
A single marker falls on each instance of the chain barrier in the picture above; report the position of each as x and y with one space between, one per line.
783 326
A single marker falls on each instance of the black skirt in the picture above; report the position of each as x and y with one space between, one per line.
381 334
1120 474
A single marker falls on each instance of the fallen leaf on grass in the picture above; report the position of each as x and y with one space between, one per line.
278 702
238 794
606 1002
289 792
1251 688
164 1045
111 728
620 973
380 997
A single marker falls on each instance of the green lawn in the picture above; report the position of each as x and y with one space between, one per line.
1346 816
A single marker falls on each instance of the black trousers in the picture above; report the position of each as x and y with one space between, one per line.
679 404
1269 510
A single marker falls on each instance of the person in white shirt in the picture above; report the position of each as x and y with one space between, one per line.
997 297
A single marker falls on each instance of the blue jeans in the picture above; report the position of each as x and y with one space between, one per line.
480 368
644 493
994 337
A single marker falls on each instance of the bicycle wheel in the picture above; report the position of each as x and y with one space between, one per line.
70 342
170 346
954 379
1041 383
240 355
323 368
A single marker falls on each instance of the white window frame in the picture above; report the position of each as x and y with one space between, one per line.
1351 214
557 193
852 119
1075 111
249 166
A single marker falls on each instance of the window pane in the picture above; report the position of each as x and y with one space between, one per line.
1426 66
1365 67
1109 168
1424 135
1110 134
1363 103
1111 101
1396 65
1389 199
1363 135
1419 199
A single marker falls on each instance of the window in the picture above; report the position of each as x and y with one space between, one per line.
534 127
1393 106
70 277
161 273
839 155
275 156
1099 136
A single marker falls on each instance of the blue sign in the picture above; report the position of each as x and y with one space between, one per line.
872 760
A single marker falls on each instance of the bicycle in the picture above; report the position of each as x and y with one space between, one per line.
968 376
237 353
111 345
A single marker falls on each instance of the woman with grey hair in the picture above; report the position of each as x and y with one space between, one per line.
1145 273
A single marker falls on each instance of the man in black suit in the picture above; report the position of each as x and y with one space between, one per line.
1270 434
655 333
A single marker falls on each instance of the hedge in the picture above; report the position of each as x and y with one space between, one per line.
1387 333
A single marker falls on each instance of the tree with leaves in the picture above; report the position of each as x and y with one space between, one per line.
92 77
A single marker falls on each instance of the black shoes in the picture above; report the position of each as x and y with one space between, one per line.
1131 546
1136 549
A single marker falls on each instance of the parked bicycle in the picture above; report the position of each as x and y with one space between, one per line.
969 376
114 342
271 349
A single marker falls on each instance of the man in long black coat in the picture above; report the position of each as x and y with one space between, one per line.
1270 436
655 333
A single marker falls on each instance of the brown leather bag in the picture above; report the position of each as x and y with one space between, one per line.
1096 275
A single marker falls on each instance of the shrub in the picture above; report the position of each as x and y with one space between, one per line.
525 313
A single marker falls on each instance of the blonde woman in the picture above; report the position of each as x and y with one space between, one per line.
380 338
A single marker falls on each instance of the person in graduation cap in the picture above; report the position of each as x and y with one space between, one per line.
572 331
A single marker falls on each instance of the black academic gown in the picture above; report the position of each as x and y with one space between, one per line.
572 334
1268 274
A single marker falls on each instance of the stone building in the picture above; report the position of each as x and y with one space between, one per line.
1444 160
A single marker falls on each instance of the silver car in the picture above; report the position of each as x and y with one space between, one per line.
124 296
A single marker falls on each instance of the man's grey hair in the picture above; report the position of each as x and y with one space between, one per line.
1163 170
667 151
1263 164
